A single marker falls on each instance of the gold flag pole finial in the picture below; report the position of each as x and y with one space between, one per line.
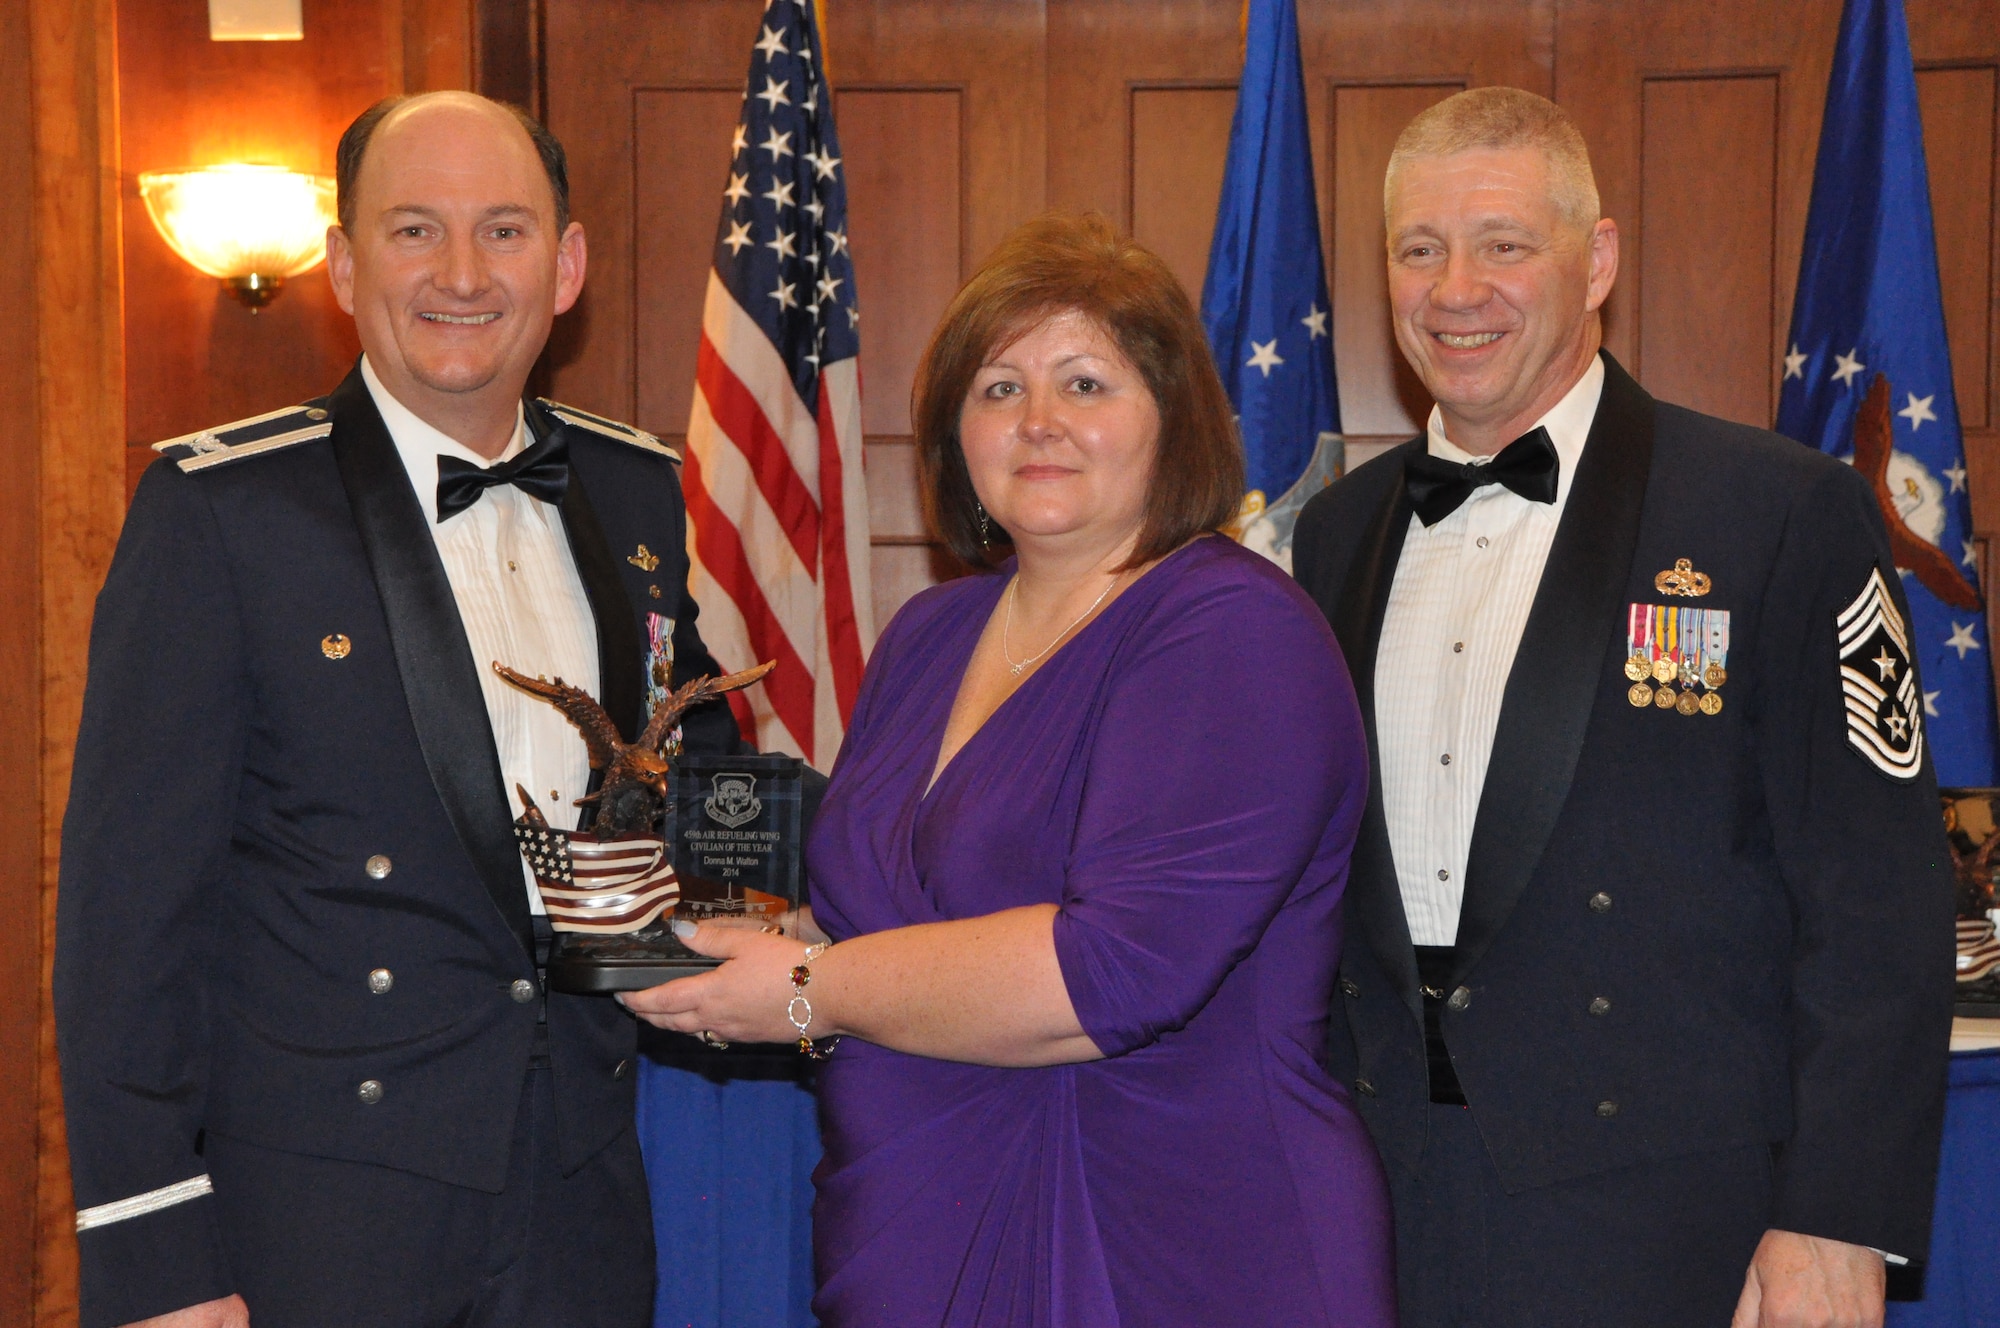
819 22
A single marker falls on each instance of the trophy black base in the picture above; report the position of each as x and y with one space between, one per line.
583 964
1979 1000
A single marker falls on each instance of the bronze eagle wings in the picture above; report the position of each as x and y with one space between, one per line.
635 773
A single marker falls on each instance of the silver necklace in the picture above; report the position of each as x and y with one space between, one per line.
1013 593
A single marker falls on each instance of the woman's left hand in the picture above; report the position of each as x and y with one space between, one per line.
742 1001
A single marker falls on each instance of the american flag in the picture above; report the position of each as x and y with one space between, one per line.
607 886
776 498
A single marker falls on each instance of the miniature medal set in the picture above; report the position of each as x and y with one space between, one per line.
1677 656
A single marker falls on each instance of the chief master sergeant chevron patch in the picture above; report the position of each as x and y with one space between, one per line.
1884 709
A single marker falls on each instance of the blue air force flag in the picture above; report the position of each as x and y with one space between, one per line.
1867 374
1264 300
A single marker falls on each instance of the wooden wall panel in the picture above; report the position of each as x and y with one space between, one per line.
599 52
198 357
1379 394
680 159
906 221
78 501
1705 277
1959 146
20 658
1180 148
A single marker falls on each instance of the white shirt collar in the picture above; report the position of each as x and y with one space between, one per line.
421 444
1568 423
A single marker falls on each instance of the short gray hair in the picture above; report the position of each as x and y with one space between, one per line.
1501 118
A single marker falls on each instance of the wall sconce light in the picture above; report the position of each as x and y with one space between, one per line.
251 226
255 20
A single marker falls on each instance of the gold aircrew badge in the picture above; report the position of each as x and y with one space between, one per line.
1683 580
645 559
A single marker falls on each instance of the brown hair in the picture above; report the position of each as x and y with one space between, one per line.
1057 263
353 148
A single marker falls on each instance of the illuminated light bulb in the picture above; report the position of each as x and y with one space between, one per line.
250 226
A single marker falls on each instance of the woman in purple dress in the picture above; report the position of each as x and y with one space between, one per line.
1081 863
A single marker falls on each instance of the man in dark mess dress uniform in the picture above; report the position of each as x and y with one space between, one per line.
311 1072
1646 991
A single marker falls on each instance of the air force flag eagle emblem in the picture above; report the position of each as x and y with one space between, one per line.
1884 708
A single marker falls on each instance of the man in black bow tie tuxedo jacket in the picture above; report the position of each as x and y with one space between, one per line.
311 1072
1646 989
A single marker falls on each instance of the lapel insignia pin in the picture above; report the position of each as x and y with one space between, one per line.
336 646
1666 645
645 559
1683 580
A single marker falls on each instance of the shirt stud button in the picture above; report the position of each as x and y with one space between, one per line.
1482 541
1458 647
512 566
370 1092
522 991
1444 873
1600 1005
377 867
380 980
1445 759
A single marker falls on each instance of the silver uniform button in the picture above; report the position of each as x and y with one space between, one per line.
377 867
370 1091
1460 998
1607 1109
620 1070
1601 1005
522 991
380 980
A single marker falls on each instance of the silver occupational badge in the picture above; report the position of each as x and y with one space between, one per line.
1884 710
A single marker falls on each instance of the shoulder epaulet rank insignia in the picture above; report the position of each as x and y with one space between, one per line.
247 438
624 433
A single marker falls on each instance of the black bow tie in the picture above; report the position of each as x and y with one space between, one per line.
1437 487
542 470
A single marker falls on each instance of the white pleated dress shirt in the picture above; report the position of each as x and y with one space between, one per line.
511 571
1455 617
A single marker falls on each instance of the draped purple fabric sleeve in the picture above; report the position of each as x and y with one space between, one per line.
1224 758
